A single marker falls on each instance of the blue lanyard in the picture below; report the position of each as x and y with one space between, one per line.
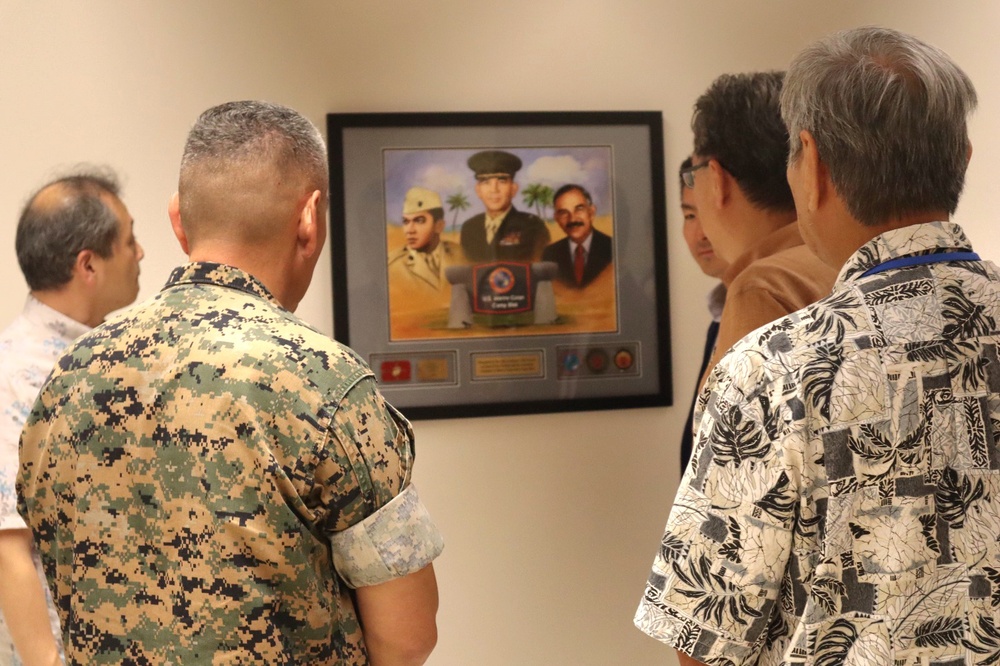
903 262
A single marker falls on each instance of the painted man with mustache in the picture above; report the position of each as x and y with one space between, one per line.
585 252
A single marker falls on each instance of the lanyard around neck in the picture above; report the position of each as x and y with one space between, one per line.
903 262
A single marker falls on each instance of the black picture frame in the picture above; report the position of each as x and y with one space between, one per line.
598 347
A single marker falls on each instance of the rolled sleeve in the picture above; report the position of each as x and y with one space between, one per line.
395 541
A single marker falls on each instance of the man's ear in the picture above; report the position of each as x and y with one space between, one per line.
310 233
84 267
174 211
719 182
813 173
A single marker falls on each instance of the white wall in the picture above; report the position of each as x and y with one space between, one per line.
551 520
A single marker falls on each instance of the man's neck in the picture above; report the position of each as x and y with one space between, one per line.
70 302
583 241
431 246
851 235
500 213
273 270
753 224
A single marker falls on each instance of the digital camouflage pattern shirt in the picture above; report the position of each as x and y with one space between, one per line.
842 505
207 476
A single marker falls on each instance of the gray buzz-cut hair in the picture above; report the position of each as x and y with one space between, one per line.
50 234
241 163
242 135
888 113
257 129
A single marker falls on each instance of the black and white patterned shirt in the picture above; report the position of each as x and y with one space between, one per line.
843 501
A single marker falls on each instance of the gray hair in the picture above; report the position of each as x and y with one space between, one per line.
888 114
52 231
232 140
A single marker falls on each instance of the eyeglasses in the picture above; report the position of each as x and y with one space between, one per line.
687 175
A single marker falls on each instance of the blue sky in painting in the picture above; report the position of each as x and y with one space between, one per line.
446 172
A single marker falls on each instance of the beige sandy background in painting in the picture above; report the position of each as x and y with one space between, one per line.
419 314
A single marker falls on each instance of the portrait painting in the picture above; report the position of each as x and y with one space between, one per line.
438 212
500 263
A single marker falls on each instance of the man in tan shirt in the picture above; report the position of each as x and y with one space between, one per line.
421 262
737 177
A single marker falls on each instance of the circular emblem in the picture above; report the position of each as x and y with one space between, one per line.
597 360
571 362
501 280
624 359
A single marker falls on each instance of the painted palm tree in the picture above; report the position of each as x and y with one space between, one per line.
539 196
456 202
546 200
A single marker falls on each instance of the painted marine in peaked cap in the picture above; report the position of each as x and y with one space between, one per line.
502 233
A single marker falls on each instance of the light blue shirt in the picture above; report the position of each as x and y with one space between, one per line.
29 348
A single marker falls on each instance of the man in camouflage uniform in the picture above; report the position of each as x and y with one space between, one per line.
211 479
80 258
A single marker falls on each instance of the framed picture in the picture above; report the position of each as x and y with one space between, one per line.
501 263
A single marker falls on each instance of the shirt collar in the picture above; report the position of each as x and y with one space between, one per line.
914 240
586 243
499 216
40 314
205 272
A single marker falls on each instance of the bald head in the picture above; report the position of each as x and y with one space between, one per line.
63 218
247 169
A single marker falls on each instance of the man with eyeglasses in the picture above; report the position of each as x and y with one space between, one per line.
585 252
843 501
712 265
737 179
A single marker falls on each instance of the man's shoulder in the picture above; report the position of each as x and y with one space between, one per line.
11 335
524 217
793 265
451 251
278 333
799 255
28 347
553 248
398 255
233 323
601 239
787 344
20 369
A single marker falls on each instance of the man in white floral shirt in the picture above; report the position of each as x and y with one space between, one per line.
843 501
79 256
